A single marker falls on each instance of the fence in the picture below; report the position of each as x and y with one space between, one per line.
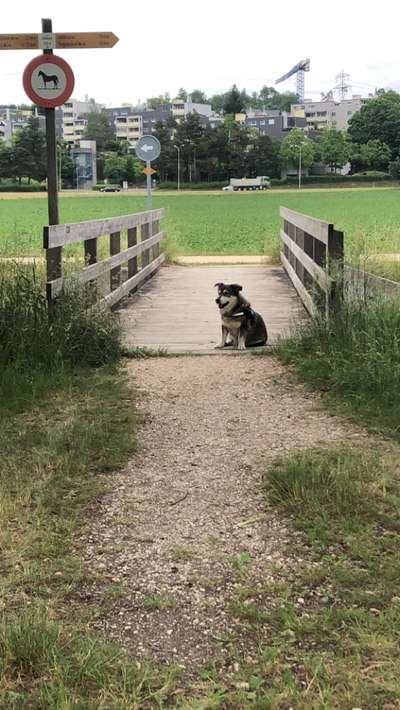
143 237
312 255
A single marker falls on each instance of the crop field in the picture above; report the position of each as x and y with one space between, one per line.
219 223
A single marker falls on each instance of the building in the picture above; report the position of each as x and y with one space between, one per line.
181 108
13 118
273 123
73 118
329 113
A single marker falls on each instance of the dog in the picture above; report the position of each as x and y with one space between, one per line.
245 327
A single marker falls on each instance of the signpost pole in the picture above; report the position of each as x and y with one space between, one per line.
53 256
149 195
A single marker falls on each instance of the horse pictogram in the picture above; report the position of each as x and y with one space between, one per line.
47 79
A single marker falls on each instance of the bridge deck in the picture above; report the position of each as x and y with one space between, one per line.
176 309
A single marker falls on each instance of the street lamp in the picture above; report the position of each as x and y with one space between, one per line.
179 165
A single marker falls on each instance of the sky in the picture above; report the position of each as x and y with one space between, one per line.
211 44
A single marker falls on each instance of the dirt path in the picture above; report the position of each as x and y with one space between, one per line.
187 515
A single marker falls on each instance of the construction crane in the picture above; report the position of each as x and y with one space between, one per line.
298 69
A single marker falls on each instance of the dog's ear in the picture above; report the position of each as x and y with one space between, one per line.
236 287
219 285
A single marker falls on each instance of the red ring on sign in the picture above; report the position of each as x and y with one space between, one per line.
48 59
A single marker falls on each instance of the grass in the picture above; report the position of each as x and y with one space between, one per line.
338 617
220 223
354 359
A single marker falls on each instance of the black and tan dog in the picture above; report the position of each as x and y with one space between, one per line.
244 326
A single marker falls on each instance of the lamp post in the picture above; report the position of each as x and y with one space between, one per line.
179 165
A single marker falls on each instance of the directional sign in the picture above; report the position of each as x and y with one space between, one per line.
48 80
85 40
19 41
148 148
59 40
149 171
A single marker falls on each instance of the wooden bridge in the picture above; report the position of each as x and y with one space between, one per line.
173 307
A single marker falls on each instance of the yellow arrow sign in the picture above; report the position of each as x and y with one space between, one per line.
149 171
60 40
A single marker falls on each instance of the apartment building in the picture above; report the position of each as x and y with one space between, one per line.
181 108
329 113
13 118
273 123
73 121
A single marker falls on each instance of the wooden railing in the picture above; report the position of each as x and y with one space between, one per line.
312 255
143 241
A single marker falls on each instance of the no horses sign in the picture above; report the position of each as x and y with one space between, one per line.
48 80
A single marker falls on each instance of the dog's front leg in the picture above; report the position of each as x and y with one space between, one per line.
224 338
241 340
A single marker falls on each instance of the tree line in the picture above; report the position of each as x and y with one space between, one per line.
372 142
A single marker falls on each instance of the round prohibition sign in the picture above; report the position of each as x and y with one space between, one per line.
48 80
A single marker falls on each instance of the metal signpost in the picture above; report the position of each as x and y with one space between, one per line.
49 81
148 148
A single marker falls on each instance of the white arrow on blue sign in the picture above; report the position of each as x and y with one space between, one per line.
148 148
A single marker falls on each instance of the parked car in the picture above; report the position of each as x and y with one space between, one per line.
227 187
110 188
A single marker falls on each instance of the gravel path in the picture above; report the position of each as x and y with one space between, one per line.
187 516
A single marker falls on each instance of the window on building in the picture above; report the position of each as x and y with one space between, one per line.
271 121
333 113
349 113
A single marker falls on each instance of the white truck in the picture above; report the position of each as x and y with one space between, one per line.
261 182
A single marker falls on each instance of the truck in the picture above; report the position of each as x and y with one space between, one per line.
261 182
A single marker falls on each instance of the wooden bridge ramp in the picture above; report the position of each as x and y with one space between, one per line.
175 310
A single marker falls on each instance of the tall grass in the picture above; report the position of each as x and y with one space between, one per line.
355 357
34 349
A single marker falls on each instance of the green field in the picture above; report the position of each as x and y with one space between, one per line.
219 223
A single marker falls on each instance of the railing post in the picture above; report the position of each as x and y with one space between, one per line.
115 248
144 234
334 265
132 263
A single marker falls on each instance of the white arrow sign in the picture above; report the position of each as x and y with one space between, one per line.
146 147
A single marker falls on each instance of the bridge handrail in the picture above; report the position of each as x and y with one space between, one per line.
147 247
312 255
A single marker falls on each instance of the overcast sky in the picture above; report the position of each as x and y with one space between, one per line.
211 44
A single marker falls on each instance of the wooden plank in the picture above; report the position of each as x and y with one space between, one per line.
301 290
115 272
316 227
319 275
58 235
131 283
102 267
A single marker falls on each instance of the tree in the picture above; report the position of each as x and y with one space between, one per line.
156 101
262 157
233 102
67 164
99 129
378 119
199 97
7 161
375 155
30 152
334 147
115 168
296 145
182 94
